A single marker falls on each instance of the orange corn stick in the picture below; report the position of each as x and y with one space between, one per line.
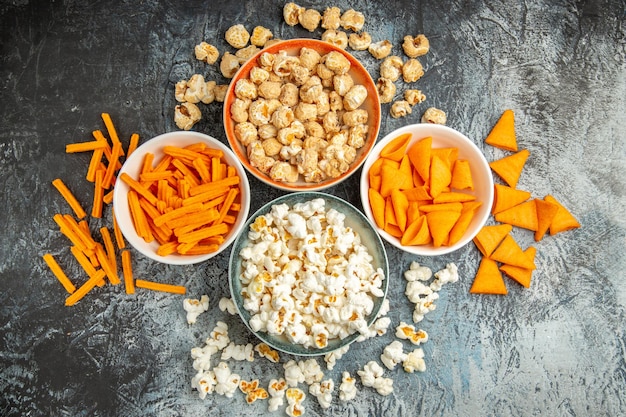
98 195
212 153
119 238
211 186
146 164
164 231
94 163
206 196
83 233
84 262
85 288
216 169
203 170
127 270
230 197
108 123
69 197
132 146
110 171
84 146
139 217
196 249
183 154
140 189
203 233
187 173
105 263
108 197
181 211
155 176
168 248
187 224
108 245
68 231
58 272
156 286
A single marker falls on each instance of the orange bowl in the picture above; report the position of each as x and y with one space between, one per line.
360 76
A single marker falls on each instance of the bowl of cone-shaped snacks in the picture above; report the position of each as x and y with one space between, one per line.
181 198
308 274
302 115
428 189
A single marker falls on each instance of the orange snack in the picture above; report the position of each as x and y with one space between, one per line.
127 270
546 211
377 204
563 220
69 198
419 154
502 135
509 253
156 286
416 233
132 146
462 175
453 197
119 238
396 149
400 207
510 167
519 274
488 279
505 197
489 237
78 295
461 225
84 146
440 223
58 272
523 215
440 176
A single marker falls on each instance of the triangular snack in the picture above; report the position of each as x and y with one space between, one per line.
471 205
416 233
488 279
545 215
460 227
453 197
440 223
400 207
462 175
502 134
563 220
419 154
393 230
489 237
521 275
376 167
440 176
509 252
390 215
418 181
377 205
406 168
427 208
417 193
510 167
396 148
376 181
413 212
392 178
506 197
448 155
523 215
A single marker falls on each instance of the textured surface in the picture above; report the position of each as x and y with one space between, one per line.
556 349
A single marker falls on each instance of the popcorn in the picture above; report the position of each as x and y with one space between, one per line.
265 351
384 386
378 328
347 389
202 357
311 371
414 361
226 381
323 391
252 390
195 307
417 272
331 358
449 274
415 289
424 306
295 397
392 355
372 376
227 304
407 332
238 352
219 336
276 390
204 383
293 373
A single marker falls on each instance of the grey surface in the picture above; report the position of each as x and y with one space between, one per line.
555 349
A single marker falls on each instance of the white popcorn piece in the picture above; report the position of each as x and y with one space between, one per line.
276 389
347 389
424 306
323 391
449 274
204 382
370 372
331 358
414 361
384 386
228 305
311 371
418 273
226 381
238 352
293 373
218 338
195 307
392 355
378 328
253 391
202 357
267 352
295 398
408 332
384 308
415 289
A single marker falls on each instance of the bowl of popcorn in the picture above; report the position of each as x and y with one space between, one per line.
181 198
302 115
428 189
308 273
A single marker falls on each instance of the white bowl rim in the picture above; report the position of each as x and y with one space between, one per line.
120 191
432 129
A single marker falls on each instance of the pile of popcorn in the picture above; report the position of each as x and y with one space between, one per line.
342 29
289 386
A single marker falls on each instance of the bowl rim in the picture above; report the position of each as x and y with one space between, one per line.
302 197
374 120
426 250
120 200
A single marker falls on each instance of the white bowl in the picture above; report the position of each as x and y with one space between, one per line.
354 219
132 166
442 136
360 76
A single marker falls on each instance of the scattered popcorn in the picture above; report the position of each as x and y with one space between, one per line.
414 361
219 336
202 357
331 358
252 390
418 273
392 355
347 389
415 289
311 370
423 306
267 352
226 381
293 373
449 274
323 391
407 332
276 390
228 305
372 376
378 328
384 386
195 307
238 352
206 52
204 382
295 397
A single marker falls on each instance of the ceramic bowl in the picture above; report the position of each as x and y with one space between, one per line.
132 166
442 137
353 219
359 75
